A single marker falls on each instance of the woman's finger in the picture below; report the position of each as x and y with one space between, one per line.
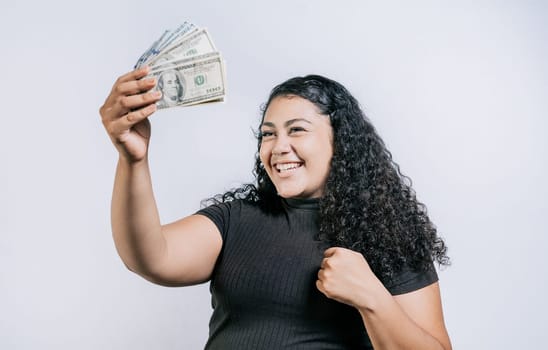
116 100
329 251
133 87
129 84
127 121
324 263
126 104
133 75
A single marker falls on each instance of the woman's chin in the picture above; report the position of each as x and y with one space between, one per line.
294 193
289 193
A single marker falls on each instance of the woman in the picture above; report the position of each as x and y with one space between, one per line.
329 250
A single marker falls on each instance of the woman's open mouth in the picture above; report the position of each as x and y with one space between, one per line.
283 167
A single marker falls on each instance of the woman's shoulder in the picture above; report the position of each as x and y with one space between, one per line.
232 207
410 279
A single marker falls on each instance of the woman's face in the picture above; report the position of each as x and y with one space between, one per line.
296 147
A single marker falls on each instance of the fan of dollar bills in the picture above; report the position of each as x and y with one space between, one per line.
188 68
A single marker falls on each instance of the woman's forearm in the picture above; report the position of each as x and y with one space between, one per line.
389 327
135 220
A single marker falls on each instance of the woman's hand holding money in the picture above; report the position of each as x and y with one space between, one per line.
125 113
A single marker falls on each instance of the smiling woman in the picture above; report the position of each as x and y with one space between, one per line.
328 249
296 147
324 173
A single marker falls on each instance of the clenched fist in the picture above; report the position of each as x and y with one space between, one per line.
346 277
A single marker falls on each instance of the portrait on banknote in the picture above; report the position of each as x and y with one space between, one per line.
171 83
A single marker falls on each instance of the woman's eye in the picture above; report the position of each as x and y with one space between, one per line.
266 134
295 129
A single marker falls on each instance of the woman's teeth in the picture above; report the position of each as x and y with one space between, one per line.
287 166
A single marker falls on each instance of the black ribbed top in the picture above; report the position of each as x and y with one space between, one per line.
302 203
263 287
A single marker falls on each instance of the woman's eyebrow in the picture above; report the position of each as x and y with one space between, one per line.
287 123
292 121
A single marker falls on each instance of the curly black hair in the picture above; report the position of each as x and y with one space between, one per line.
368 204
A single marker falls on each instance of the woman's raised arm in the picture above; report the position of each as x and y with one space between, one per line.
181 253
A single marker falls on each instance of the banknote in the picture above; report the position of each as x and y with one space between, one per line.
197 43
187 66
191 81
149 51
168 37
181 30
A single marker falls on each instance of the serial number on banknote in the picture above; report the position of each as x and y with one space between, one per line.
215 89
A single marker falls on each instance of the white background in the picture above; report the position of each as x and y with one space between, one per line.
458 90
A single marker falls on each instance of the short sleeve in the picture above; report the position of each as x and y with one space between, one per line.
409 280
220 215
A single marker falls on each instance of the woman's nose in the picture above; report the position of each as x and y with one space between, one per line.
282 145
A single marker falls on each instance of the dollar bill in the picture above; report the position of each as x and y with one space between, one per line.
183 61
197 43
191 81
181 30
188 68
165 40
149 51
